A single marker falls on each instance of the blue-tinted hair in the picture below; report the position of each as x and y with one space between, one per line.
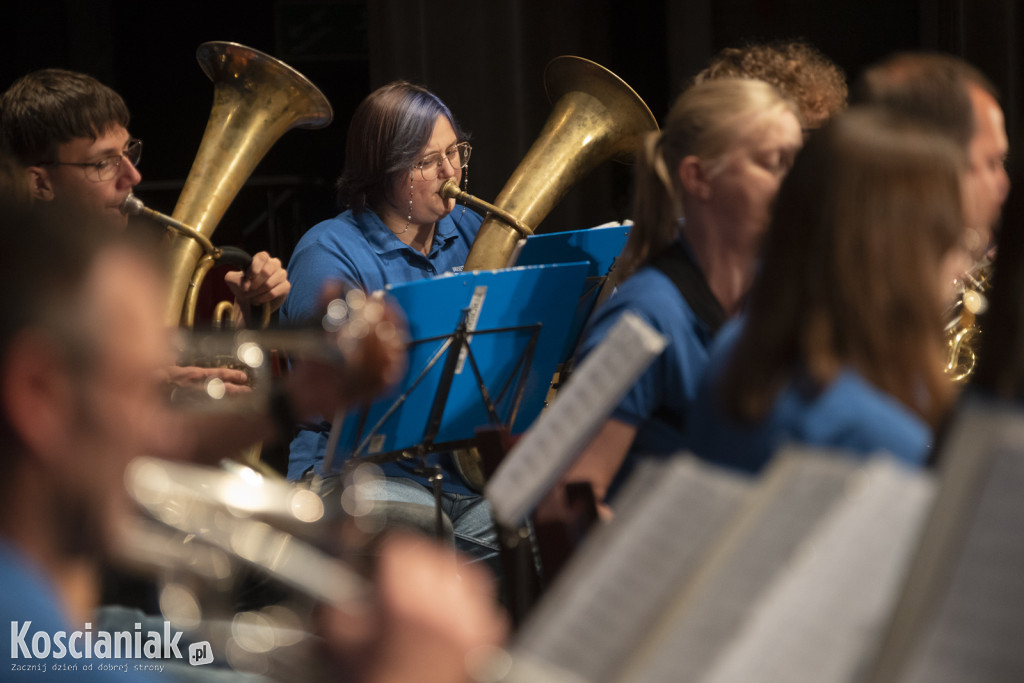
387 132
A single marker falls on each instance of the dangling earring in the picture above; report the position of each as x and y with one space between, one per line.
465 186
408 219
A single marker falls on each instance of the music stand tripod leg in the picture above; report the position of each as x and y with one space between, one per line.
436 479
520 585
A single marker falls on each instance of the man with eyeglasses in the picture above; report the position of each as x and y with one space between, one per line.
70 134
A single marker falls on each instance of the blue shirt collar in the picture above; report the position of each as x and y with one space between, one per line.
382 240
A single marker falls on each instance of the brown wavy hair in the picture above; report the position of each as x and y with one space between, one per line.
850 276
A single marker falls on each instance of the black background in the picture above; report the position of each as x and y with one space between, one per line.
485 59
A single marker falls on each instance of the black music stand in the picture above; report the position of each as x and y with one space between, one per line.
483 348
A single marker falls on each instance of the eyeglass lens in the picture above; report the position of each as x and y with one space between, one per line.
108 168
458 157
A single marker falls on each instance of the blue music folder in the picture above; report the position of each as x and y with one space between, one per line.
598 247
519 320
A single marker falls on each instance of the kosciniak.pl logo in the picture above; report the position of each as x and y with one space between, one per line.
28 645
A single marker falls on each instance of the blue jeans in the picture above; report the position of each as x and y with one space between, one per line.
470 515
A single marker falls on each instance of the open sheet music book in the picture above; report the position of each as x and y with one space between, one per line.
562 431
961 616
598 611
703 576
820 618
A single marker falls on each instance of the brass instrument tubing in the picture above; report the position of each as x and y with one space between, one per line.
133 206
450 190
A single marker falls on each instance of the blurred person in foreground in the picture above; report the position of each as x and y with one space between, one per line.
82 349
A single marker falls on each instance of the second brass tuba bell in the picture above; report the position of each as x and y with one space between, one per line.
596 116
256 99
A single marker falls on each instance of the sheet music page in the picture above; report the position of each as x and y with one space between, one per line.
821 617
959 614
561 432
975 631
619 580
786 505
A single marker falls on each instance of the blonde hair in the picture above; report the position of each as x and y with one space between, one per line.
707 121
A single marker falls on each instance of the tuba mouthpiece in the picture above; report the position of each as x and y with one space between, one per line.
450 189
132 206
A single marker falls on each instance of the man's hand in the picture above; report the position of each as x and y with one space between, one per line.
235 381
265 281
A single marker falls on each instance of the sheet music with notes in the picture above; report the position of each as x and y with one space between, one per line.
777 517
962 616
562 431
619 580
821 617
704 579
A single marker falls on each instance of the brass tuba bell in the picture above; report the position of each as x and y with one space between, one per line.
596 116
256 99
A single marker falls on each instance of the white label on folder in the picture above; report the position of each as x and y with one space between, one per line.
475 304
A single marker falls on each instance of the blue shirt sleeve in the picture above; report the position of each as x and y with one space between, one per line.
849 415
318 259
670 383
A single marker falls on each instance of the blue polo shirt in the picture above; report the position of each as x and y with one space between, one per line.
27 597
849 415
360 250
658 405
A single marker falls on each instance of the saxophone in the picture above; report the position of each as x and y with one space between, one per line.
962 331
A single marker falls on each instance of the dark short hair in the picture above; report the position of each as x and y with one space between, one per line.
931 87
385 136
49 107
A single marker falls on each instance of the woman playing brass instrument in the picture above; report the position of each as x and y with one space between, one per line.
718 162
403 144
842 344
